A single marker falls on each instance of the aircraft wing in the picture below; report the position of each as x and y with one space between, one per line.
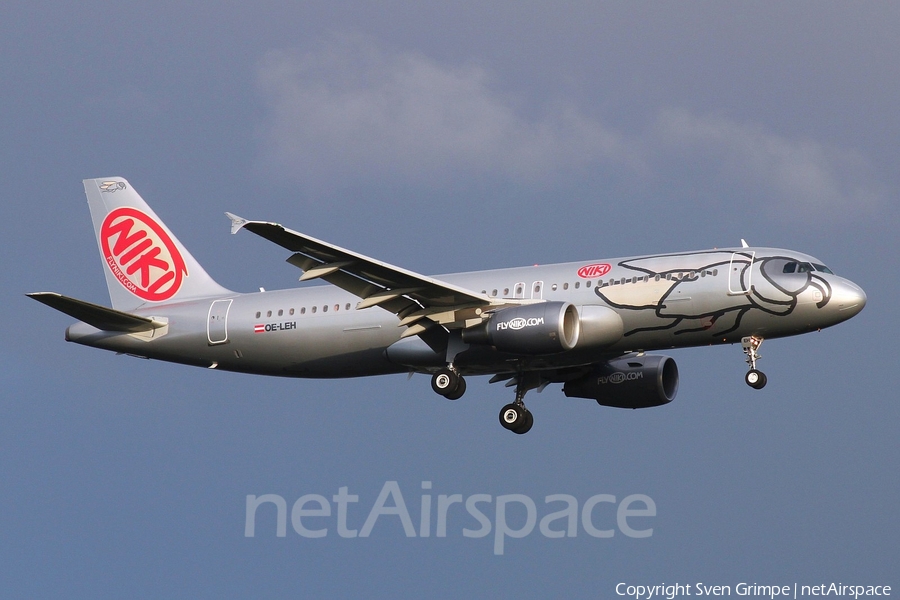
415 298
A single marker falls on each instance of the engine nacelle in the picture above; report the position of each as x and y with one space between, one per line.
601 326
628 382
541 328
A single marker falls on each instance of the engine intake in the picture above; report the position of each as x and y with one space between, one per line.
541 328
628 382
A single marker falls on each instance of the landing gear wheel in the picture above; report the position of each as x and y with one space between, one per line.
460 390
445 382
512 416
755 379
526 426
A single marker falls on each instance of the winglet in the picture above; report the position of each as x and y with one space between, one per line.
236 222
744 243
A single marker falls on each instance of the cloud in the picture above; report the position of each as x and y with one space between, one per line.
780 172
351 108
350 111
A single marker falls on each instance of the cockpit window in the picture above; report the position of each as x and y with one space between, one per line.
804 267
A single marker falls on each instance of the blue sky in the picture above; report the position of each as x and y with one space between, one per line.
440 138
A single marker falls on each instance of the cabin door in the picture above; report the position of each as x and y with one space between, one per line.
217 323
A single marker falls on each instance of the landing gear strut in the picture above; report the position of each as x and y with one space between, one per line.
515 416
754 378
449 384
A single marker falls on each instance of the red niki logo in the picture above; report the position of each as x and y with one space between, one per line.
141 255
595 270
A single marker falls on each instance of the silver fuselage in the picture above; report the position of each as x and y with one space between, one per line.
664 301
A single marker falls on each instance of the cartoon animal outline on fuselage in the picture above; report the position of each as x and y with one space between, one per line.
666 285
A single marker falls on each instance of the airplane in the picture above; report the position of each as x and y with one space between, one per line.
588 325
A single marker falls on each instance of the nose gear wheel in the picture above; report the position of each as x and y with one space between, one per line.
754 377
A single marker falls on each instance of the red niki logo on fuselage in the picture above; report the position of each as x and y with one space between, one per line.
141 255
594 270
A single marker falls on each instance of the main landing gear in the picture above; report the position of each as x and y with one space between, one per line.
754 378
515 416
450 384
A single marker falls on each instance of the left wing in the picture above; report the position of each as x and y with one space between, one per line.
419 301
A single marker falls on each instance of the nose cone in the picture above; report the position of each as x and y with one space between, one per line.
848 298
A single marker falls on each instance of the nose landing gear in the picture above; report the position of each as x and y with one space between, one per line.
754 377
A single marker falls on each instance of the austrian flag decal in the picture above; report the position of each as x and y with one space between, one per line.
141 255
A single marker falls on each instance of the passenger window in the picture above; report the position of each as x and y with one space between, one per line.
347 307
337 307
506 291
325 308
493 292
291 311
565 286
553 287
313 310
577 284
588 284
268 313
258 314
303 310
518 291
280 312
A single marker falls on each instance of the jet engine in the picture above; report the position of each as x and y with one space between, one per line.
541 328
629 382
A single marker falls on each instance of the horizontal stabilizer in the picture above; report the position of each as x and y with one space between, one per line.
95 315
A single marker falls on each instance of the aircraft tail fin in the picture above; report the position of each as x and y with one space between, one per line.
143 261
